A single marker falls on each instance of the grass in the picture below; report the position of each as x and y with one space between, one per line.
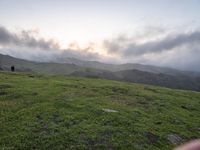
59 112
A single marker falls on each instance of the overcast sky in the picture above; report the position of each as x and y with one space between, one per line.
156 32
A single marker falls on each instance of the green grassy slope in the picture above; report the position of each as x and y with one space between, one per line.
29 66
177 80
57 112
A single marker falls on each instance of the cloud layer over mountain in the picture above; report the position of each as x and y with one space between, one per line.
155 47
178 50
167 43
29 45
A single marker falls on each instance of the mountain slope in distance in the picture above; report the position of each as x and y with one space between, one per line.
170 78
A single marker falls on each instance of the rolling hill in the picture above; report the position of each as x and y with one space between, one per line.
138 73
60 112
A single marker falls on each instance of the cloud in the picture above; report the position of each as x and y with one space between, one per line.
59 56
167 43
153 46
176 49
29 45
186 58
25 39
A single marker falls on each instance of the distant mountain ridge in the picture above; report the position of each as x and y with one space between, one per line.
127 66
138 73
103 66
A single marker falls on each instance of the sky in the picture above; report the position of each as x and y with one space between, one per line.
155 32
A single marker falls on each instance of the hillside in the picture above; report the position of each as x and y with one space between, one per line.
166 77
136 76
76 65
58 112
177 82
39 67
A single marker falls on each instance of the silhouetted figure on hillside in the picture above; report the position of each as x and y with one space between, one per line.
12 68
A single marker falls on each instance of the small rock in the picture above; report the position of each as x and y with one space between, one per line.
174 139
110 110
45 126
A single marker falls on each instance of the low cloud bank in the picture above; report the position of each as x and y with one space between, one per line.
27 45
178 50
168 43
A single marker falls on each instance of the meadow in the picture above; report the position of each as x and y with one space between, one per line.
63 112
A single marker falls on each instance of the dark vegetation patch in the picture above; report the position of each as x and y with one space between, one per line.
14 95
119 90
152 138
34 93
31 76
151 89
2 93
72 122
188 107
128 101
5 86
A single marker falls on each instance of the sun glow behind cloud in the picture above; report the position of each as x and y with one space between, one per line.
108 31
